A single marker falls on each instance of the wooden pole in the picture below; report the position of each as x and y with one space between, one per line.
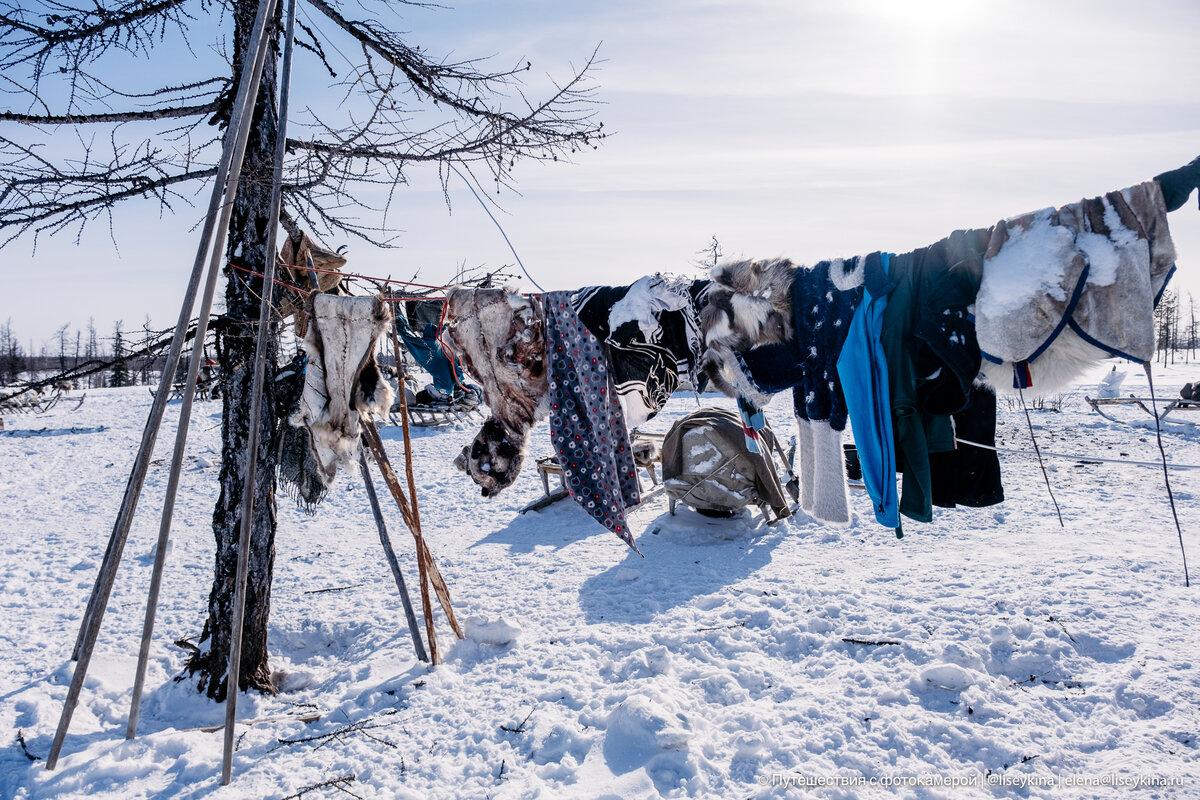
220 207
233 673
439 584
389 480
385 540
430 574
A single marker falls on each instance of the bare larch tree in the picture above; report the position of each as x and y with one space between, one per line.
82 133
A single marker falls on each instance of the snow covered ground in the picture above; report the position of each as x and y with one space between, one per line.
717 666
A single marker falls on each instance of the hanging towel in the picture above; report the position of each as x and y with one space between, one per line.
587 427
862 368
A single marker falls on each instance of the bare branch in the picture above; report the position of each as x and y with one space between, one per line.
201 109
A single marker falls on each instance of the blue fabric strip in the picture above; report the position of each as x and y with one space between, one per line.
862 368
1112 351
1166 281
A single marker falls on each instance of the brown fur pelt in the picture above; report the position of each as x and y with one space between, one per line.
494 457
749 303
293 269
501 339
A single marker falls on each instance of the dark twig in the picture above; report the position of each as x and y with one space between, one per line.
335 588
1187 580
520 728
333 783
1038 452
25 747
741 624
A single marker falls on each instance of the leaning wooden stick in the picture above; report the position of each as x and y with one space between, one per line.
261 353
423 564
386 540
423 551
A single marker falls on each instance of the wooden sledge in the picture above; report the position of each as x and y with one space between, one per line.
647 452
434 415
35 404
1144 403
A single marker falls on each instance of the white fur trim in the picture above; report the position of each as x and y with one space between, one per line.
831 499
843 280
1055 370
808 484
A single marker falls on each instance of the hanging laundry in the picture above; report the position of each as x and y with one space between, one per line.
1065 288
418 329
651 335
342 382
863 369
300 472
820 304
932 355
1178 184
587 427
966 475
501 338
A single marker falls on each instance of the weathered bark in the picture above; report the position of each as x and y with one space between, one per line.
246 246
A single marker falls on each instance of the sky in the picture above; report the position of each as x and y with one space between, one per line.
806 129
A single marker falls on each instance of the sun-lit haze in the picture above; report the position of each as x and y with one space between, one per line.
806 129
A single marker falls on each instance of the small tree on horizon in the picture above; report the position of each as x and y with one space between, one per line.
710 255
120 372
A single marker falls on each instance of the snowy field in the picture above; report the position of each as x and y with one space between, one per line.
714 666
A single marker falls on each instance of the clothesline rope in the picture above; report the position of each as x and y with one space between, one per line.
1077 456
302 291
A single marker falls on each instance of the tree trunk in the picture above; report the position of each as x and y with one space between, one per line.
238 329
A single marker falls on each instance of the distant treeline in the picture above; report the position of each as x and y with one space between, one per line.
1177 332
69 348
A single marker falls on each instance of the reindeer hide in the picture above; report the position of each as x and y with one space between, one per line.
501 339
343 382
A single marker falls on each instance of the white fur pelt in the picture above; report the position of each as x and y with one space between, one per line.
1033 265
342 382
1055 370
500 337
823 492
